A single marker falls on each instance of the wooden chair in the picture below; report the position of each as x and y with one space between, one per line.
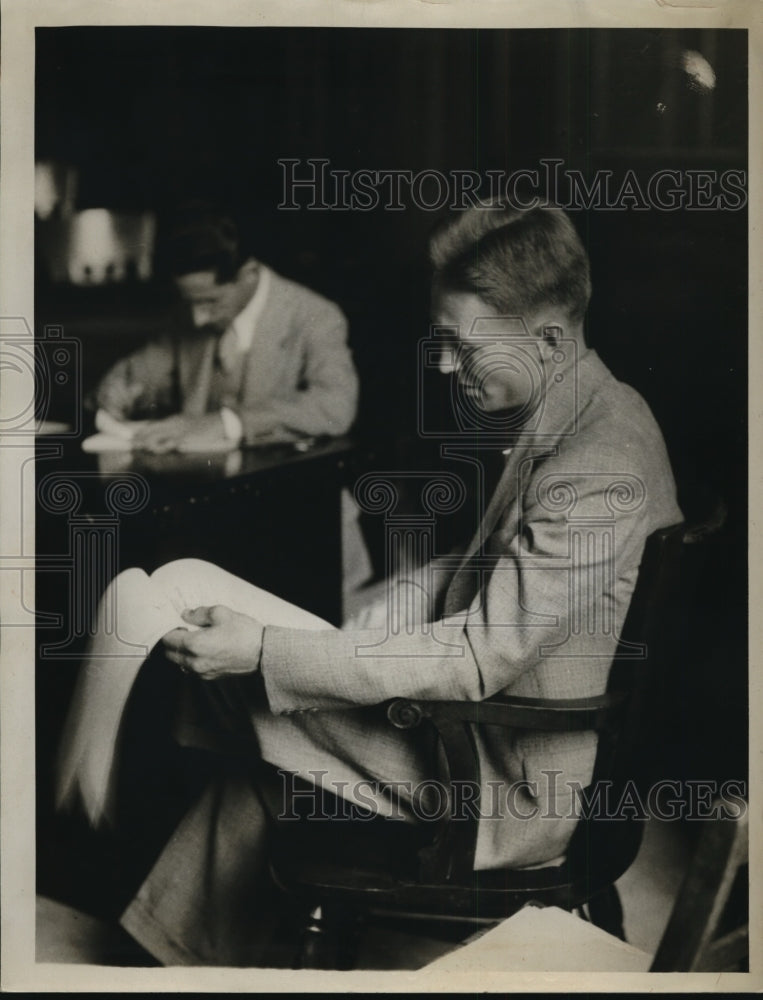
707 930
340 882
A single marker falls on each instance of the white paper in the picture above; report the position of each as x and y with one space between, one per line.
135 612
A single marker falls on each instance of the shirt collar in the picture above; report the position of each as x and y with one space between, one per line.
245 324
570 383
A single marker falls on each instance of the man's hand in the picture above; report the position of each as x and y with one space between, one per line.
228 643
119 397
182 433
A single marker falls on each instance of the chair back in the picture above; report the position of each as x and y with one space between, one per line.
651 639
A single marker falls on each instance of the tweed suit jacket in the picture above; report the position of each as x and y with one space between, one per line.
533 608
298 376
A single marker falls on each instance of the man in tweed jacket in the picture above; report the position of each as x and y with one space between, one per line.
257 358
533 606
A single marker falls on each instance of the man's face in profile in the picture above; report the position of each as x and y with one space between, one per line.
491 371
212 305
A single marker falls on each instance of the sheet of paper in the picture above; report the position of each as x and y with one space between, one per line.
113 434
133 615
544 939
100 443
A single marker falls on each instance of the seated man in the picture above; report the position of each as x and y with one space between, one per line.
259 358
524 610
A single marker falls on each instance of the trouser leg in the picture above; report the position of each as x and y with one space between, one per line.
209 899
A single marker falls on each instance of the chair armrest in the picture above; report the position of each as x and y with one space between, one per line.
598 712
450 856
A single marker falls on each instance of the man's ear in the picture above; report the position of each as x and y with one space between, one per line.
249 272
552 333
555 331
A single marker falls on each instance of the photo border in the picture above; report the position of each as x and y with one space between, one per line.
19 19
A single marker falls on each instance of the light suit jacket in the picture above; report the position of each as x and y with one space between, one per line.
533 608
298 376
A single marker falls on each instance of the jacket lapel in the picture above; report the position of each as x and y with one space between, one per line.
559 419
504 495
262 366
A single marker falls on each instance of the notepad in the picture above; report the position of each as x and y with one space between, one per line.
113 434
119 435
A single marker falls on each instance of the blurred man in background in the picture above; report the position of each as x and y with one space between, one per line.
258 359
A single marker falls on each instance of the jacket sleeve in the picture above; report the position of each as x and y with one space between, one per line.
141 385
328 402
531 588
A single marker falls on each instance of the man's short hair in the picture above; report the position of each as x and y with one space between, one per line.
204 237
516 261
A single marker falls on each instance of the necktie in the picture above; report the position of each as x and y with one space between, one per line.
228 352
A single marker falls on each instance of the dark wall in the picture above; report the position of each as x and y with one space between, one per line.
150 116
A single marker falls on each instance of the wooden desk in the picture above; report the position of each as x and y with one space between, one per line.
271 516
